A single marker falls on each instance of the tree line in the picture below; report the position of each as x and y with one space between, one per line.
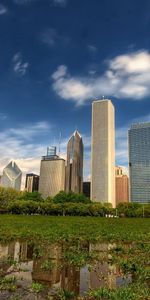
18 202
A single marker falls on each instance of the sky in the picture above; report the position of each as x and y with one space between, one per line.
56 57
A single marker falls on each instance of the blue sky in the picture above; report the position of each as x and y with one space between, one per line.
56 56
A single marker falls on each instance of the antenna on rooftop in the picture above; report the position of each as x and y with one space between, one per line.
59 143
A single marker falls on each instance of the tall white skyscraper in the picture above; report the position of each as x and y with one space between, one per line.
11 176
103 152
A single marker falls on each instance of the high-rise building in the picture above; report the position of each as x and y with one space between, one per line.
103 152
74 167
52 175
32 183
139 162
86 188
122 186
12 176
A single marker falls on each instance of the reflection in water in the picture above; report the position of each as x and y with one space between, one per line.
48 265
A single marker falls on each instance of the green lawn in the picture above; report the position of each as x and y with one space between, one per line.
70 228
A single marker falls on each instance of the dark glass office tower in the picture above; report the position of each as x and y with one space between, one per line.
74 168
139 162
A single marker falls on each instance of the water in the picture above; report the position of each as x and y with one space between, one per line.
74 267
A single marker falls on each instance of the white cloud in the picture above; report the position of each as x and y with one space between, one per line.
126 76
3 117
51 37
92 49
23 2
19 67
61 3
20 144
3 9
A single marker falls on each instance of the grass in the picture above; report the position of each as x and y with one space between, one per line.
53 228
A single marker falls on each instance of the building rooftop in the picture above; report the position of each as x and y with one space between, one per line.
140 125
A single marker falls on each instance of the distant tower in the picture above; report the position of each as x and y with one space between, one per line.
12 176
74 168
32 183
139 162
103 152
52 174
122 186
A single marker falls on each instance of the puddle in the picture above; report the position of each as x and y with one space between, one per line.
75 268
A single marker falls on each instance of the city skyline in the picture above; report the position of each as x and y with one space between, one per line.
52 67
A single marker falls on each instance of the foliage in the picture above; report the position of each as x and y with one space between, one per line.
34 196
8 284
54 228
36 287
133 209
7 195
63 197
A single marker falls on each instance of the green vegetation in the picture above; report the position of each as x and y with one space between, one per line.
120 242
72 228
70 204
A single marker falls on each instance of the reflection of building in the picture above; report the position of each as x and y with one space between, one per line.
11 176
122 186
32 183
52 175
103 152
86 188
74 168
139 162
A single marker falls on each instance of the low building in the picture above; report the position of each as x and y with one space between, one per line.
32 183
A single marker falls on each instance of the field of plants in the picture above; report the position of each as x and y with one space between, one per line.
49 257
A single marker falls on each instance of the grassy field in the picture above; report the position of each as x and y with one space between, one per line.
69 228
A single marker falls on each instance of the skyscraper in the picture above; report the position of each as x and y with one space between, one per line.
103 152
139 162
122 186
32 183
52 175
12 176
74 168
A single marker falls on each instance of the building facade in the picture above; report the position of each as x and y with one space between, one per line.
103 152
139 162
32 183
74 167
52 176
122 186
12 176
86 188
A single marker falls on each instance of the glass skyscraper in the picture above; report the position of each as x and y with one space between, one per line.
139 162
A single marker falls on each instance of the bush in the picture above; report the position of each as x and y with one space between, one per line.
8 195
63 197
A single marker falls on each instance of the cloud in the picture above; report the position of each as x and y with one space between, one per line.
61 3
126 76
20 144
92 49
23 2
2 117
51 37
19 67
3 9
